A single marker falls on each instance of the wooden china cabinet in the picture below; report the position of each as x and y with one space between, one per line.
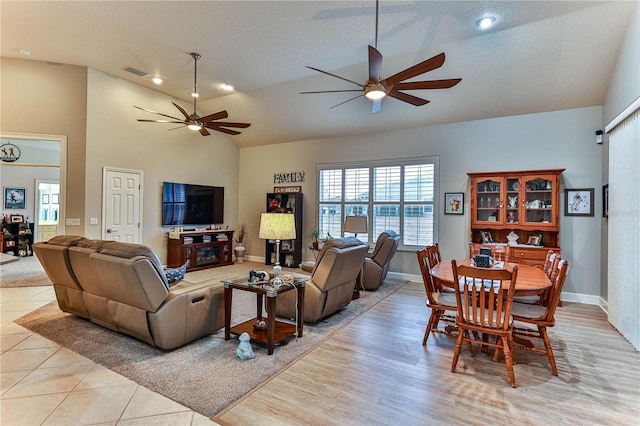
526 203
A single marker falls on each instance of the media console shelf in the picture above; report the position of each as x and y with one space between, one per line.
200 249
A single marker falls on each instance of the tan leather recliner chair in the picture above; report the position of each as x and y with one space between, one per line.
332 281
375 267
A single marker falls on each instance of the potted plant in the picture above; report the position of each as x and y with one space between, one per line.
315 234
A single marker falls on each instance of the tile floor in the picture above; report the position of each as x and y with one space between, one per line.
42 383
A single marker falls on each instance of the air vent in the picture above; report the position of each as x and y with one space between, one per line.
135 71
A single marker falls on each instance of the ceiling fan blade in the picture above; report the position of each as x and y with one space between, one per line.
421 68
432 84
175 128
187 116
413 100
215 116
158 113
214 125
375 64
376 106
333 75
348 100
331 91
227 131
204 132
160 121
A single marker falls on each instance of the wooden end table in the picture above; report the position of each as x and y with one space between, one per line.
276 331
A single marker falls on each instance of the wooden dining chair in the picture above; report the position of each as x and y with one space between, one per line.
437 300
550 264
487 312
541 316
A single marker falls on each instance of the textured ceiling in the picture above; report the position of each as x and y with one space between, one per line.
541 56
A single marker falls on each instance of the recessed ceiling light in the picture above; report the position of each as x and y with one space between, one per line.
25 52
486 22
227 87
157 80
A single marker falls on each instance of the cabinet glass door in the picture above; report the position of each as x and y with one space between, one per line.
538 202
489 207
513 200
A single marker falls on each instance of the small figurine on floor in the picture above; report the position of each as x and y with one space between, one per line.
244 350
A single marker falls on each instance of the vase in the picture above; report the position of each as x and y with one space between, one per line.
240 251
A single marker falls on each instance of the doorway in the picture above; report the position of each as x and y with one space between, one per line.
47 212
38 156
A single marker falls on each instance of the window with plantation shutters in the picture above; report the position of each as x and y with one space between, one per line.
398 195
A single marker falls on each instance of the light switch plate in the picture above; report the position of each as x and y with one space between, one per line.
93 221
73 221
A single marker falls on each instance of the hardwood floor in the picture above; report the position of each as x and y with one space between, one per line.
376 371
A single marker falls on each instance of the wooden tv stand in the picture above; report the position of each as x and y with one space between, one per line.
200 249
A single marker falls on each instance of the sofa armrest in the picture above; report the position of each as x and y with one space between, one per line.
308 266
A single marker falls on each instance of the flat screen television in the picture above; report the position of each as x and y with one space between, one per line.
187 204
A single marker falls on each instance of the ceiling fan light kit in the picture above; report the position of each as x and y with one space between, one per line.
375 89
194 121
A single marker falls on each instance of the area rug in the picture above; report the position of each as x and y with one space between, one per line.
26 272
205 375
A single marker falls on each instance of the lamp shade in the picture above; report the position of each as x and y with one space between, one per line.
355 224
277 226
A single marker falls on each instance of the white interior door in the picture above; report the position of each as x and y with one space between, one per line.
122 214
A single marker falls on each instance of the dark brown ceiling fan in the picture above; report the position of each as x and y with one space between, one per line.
194 121
375 89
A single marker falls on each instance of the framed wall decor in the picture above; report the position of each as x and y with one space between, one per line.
578 202
605 200
17 218
454 203
15 198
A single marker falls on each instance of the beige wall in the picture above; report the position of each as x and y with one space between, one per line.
562 139
116 139
38 97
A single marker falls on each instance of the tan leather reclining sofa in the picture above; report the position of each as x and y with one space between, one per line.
123 287
332 281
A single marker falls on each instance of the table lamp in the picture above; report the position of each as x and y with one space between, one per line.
355 225
277 226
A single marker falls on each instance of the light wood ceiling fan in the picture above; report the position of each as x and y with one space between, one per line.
194 121
376 88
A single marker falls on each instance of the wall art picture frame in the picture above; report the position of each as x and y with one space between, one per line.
454 203
605 201
17 218
15 198
578 202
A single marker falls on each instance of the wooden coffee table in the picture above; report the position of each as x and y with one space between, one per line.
276 331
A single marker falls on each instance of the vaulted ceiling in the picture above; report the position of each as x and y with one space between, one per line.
540 56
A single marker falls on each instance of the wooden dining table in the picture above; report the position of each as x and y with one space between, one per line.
530 281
